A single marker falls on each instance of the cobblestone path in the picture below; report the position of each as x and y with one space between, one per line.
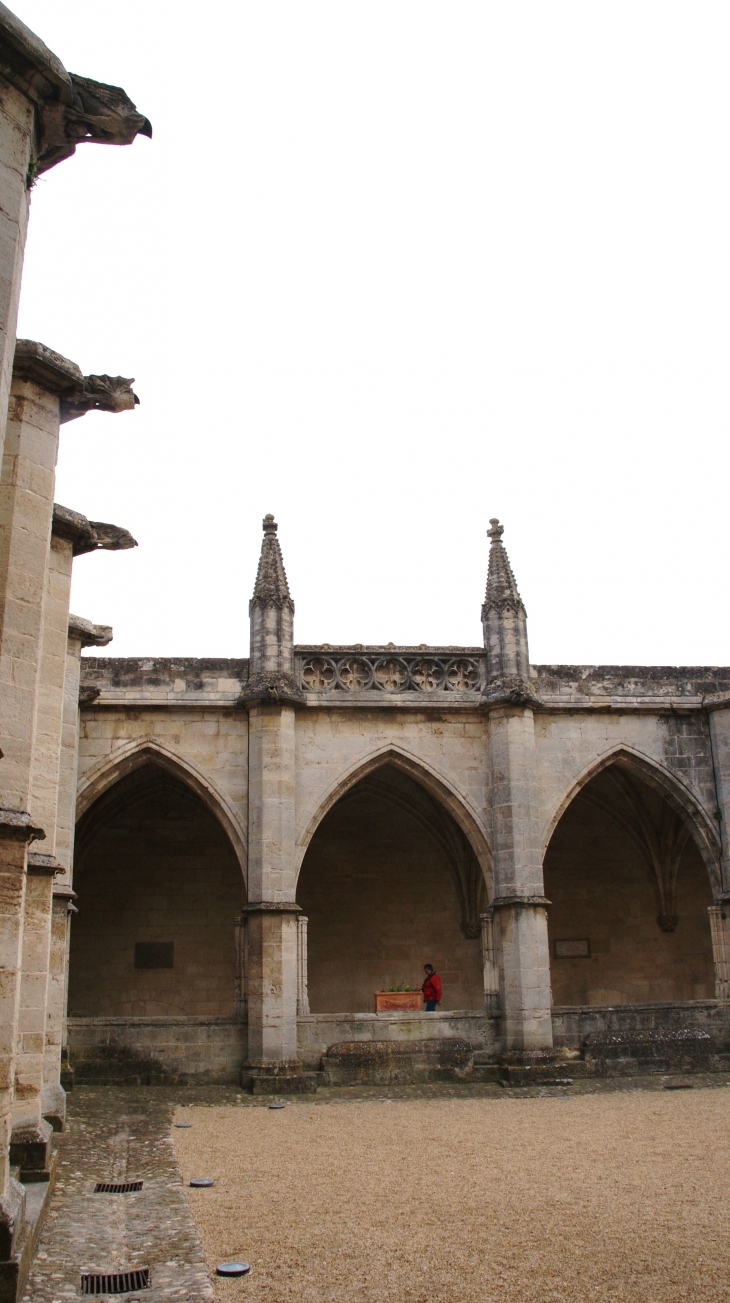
121 1135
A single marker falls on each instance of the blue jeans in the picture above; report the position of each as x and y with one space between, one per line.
430 1006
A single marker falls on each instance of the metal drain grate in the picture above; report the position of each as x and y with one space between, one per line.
117 1187
115 1282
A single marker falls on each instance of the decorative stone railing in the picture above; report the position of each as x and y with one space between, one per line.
390 673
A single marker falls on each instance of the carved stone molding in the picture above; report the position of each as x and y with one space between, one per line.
69 109
99 394
391 674
77 393
271 689
89 535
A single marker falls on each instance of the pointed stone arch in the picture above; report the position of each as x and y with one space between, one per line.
676 793
433 782
151 751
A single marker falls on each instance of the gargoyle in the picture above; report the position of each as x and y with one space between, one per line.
93 111
99 394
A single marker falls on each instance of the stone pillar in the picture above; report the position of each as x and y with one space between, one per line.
490 962
78 634
302 969
271 926
31 1133
26 510
526 996
271 929
718 715
16 140
525 991
720 931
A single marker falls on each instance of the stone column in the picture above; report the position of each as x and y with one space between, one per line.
271 927
525 991
16 141
80 633
26 510
720 931
526 996
302 968
31 1133
490 962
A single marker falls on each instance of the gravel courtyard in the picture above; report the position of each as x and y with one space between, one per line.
591 1197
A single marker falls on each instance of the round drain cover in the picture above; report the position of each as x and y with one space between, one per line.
202 1181
181 1125
232 1269
277 1105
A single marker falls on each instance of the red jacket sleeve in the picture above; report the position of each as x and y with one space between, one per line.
436 983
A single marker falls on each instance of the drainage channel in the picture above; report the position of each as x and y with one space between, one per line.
117 1282
121 1225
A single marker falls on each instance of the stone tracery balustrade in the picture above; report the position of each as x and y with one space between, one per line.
390 673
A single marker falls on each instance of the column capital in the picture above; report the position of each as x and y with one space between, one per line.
531 902
272 907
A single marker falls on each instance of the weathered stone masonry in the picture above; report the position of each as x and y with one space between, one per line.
386 805
44 113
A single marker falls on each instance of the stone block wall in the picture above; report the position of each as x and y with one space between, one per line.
153 865
155 1050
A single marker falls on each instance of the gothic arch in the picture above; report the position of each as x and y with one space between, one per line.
671 788
134 755
428 778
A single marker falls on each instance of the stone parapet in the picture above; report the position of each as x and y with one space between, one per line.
156 1049
316 1032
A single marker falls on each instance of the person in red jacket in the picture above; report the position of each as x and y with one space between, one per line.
431 988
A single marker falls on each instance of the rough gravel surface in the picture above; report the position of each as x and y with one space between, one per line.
610 1195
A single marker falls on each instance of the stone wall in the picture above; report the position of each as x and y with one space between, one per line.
381 899
603 892
153 865
153 1050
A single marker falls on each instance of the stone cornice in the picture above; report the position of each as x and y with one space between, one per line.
43 866
88 634
17 825
89 535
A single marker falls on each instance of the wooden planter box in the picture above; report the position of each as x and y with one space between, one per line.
398 1002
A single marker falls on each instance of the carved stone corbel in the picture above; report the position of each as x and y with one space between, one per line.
91 111
99 394
89 535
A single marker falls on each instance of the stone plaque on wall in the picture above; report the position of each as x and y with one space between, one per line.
573 949
154 954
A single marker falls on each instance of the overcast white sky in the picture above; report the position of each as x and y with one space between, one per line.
387 269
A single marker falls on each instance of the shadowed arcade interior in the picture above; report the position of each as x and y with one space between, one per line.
629 890
159 890
390 882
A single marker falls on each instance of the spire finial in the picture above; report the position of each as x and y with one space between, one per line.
271 584
501 586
